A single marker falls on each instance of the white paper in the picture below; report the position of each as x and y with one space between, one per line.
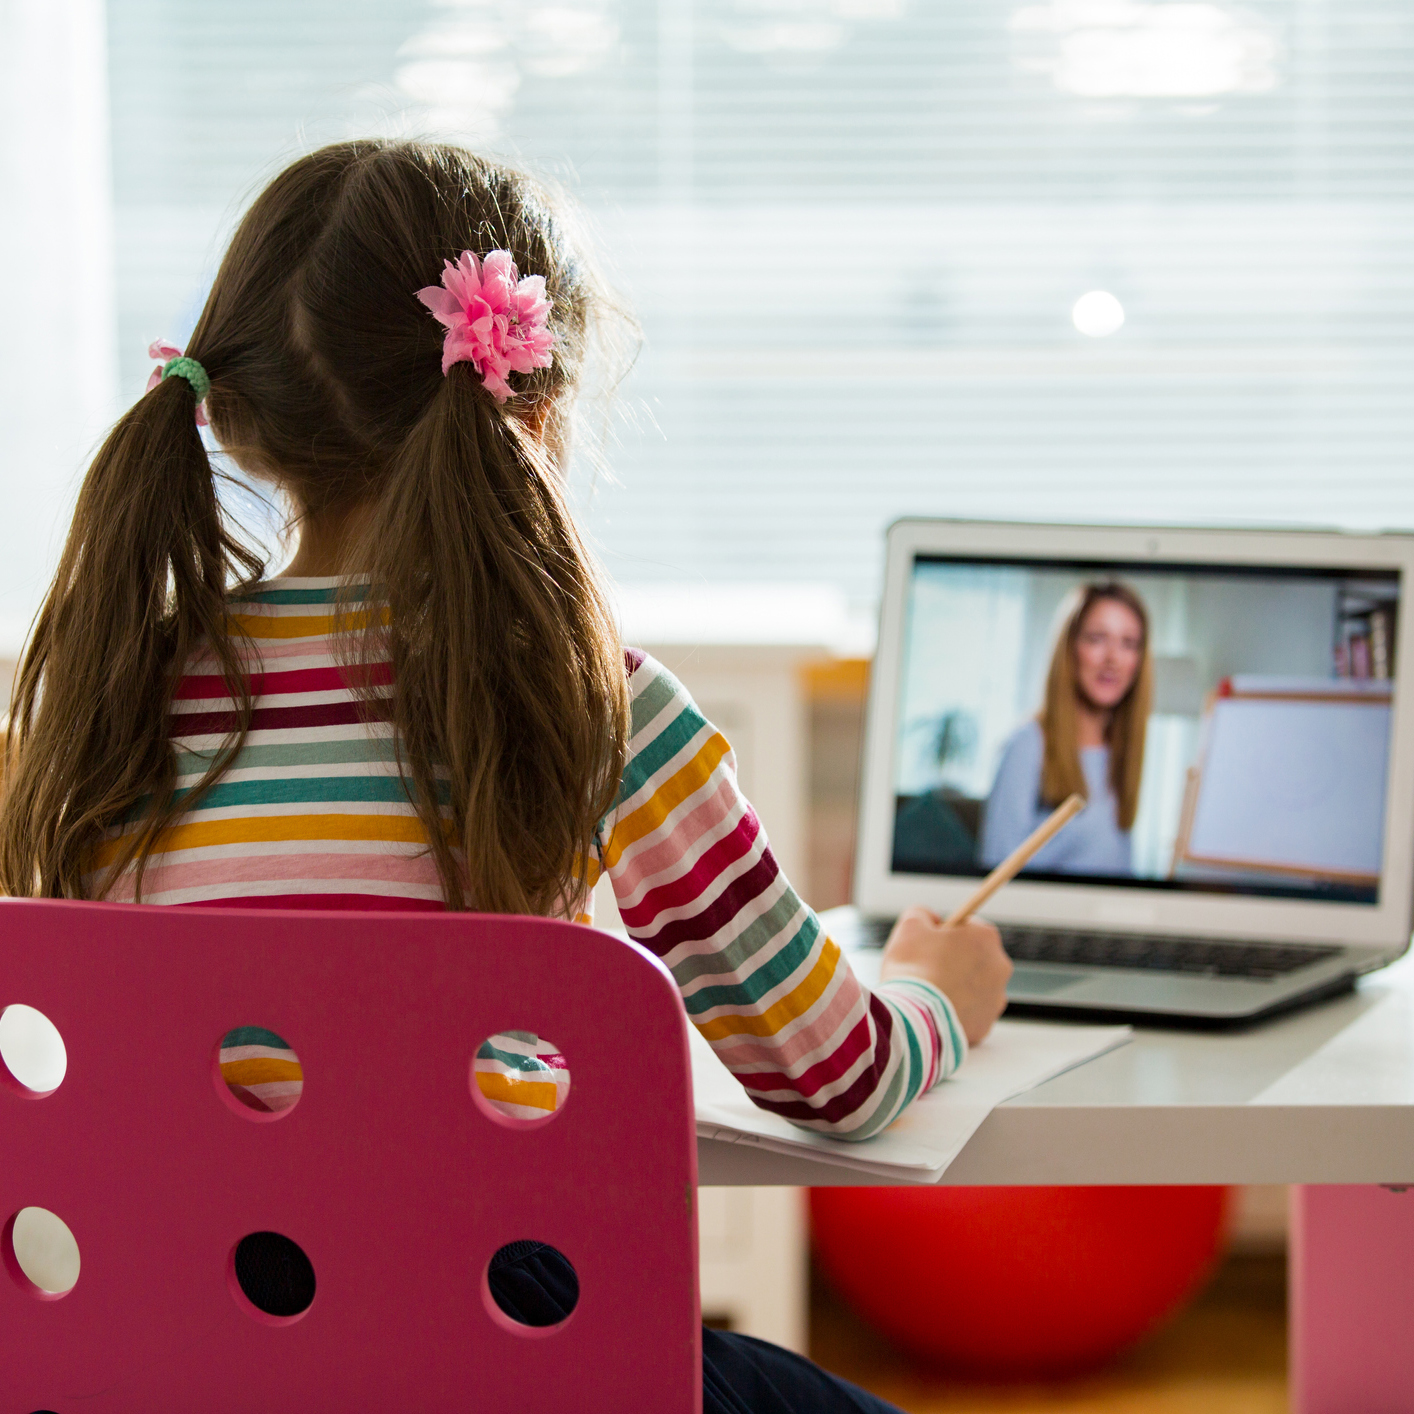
931 1132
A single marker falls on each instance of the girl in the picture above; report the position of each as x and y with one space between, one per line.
431 708
1088 739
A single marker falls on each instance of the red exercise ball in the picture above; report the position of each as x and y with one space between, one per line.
1016 1282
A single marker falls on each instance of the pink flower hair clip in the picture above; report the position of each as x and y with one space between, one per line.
175 364
494 320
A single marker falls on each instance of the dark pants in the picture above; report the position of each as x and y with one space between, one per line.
534 1284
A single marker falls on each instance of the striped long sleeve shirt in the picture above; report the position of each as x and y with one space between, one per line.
313 813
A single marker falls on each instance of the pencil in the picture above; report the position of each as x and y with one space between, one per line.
1019 858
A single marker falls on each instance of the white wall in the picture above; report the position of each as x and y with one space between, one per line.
58 381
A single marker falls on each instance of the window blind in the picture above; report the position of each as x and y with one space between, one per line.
855 233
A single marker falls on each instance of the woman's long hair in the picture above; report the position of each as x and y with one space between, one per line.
509 695
1061 773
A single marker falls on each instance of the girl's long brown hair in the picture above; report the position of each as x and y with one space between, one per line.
1061 772
509 696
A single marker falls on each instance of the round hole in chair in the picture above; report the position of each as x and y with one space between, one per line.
33 1060
40 1253
519 1079
257 1073
271 1278
530 1287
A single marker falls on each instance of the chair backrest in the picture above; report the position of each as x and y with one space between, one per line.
396 1180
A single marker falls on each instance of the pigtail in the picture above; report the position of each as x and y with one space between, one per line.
140 586
510 698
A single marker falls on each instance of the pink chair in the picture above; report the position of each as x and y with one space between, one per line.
393 1176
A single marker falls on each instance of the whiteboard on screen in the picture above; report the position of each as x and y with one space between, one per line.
1293 783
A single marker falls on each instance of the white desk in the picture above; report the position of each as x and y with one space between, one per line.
1324 1096
1189 1107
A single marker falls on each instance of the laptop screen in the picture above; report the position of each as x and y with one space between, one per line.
1229 726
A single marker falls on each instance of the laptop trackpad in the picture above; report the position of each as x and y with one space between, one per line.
1033 982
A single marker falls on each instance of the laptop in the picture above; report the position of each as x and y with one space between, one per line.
1237 707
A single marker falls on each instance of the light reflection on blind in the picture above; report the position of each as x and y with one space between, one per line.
854 231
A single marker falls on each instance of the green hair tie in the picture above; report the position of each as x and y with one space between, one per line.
193 372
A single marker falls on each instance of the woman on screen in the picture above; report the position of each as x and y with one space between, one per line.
1088 738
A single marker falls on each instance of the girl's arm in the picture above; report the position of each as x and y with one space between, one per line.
697 884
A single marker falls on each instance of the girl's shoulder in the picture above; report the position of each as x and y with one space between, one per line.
667 731
654 692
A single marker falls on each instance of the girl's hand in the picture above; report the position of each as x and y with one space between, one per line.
966 963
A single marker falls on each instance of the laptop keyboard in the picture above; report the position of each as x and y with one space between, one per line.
1152 952
1161 954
